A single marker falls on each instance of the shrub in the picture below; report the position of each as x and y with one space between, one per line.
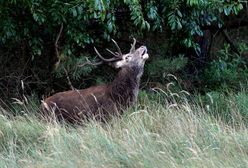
227 70
32 48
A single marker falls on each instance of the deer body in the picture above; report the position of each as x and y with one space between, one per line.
101 102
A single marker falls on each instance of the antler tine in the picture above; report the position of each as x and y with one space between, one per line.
118 48
88 62
134 41
116 54
133 45
105 59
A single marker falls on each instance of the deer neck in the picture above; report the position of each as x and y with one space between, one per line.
125 87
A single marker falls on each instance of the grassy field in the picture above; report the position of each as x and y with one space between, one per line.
156 133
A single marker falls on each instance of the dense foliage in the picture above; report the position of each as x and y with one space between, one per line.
33 50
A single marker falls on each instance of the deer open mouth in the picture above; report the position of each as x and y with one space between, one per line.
144 53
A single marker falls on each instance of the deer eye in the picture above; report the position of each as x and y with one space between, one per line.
127 58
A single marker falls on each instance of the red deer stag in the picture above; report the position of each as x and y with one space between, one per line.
101 102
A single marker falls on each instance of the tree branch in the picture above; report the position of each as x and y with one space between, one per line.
57 39
229 40
68 80
229 25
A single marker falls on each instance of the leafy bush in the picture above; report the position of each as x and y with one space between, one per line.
30 38
162 67
228 69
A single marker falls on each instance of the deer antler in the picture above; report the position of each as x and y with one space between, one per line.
106 59
118 48
88 62
118 56
133 46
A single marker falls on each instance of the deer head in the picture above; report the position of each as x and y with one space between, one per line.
101 101
136 57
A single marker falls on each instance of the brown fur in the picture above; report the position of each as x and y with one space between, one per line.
101 102
98 102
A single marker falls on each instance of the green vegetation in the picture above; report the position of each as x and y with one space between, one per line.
182 133
42 42
228 70
204 43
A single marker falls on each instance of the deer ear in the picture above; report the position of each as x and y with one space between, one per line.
118 64
113 64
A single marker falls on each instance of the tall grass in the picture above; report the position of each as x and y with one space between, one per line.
159 134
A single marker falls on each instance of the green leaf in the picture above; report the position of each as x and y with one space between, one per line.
110 27
179 25
179 13
147 25
240 6
227 10
74 12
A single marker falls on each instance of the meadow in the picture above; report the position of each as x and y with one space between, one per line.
162 130
48 46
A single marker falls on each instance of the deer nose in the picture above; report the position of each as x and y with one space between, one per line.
144 50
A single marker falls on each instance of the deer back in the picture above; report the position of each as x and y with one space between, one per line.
101 102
